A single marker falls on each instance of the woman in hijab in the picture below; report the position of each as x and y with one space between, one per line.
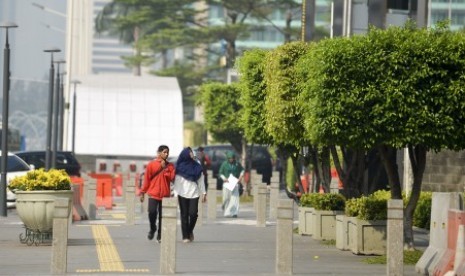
231 170
189 186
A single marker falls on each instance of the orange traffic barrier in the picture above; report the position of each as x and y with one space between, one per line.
104 189
335 176
446 262
118 184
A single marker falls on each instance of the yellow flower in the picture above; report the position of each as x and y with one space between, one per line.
40 179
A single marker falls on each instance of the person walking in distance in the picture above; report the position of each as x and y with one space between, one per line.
231 167
158 176
189 187
205 162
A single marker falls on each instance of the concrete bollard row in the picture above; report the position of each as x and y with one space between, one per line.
168 236
211 202
284 237
395 238
90 192
261 205
274 197
60 236
130 199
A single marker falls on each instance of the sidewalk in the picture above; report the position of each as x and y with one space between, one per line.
221 247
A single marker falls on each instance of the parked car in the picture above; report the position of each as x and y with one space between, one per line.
65 161
15 167
261 160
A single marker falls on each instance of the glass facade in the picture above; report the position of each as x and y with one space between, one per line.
453 10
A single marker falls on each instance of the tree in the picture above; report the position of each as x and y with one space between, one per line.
283 120
222 112
388 90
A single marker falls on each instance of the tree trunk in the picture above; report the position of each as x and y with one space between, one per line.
417 156
295 163
353 173
391 170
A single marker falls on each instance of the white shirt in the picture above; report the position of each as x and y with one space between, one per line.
187 188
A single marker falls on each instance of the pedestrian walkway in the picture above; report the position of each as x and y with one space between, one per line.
224 246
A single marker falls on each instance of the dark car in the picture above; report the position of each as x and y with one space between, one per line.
65 161
261 160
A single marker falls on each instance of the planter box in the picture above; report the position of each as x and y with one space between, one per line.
305 224
324 224
342 233
367 237
35 208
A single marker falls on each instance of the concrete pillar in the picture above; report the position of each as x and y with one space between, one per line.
274 197
211 202
168 235
60 236
130 201
90 205
125 181
255 181
284 237
261 205
395 238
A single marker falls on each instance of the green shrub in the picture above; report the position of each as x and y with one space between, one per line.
324 202
372 207
422 214
308 200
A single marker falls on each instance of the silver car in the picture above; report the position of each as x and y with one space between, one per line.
15 167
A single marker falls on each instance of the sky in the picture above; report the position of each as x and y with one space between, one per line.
37 30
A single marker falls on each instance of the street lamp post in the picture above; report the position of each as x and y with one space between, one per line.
75 83
48 146
6 92
56 111
62 112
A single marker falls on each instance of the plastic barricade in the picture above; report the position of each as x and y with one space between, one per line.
446 262
118 184
104 189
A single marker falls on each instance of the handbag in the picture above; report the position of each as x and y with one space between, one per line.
241 189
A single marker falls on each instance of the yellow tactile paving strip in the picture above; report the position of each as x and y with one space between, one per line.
108 256
106 250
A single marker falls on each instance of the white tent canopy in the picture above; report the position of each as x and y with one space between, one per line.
127 115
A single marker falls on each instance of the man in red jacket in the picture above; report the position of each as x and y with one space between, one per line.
158 176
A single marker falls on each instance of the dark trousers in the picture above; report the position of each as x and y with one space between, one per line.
154 211
189 212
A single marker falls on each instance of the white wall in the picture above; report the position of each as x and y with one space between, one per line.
127 115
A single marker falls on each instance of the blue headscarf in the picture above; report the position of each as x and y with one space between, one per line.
188 167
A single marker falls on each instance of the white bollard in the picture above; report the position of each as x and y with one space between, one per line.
168 235
284 237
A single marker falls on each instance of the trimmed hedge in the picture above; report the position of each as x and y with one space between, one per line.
324 202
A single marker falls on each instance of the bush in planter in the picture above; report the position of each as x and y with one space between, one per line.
372 207
329 202
308 200
40 180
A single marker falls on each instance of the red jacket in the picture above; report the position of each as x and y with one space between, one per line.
157 179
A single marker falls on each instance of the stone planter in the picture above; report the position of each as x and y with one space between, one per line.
35 208
367 237
305 223
342 238
324 224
